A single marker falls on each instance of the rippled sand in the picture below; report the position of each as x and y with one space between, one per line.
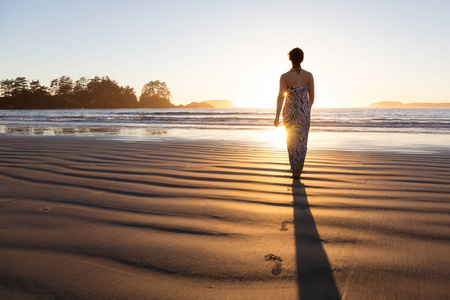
87 218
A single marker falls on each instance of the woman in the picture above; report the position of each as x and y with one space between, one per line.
297 87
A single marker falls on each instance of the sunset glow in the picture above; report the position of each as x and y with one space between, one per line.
359 53
277 137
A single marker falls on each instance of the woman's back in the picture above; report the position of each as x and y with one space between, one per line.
293 79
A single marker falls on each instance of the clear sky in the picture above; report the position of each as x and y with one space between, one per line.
359 51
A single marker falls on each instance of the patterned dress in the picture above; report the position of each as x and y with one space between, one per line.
296 119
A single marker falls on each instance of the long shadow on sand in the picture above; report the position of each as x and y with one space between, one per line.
314 275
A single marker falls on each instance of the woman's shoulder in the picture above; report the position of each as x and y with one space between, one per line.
290 72
307 72
285 74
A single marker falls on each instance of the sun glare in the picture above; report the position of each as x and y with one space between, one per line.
276 137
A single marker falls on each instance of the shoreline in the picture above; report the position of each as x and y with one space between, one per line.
95 218
273 138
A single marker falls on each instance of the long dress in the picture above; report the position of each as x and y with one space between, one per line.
296 119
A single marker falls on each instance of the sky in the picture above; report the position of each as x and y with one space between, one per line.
359 52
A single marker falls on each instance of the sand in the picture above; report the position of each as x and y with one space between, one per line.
101 219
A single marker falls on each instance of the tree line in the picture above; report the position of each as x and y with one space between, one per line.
64 93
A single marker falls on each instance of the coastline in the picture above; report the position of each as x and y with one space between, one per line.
398 130
270 137
96 218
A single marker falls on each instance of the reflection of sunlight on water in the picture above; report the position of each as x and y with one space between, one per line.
82 131
372 141
276 137
271 137
353 141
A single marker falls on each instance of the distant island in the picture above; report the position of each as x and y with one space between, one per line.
97 92
397 104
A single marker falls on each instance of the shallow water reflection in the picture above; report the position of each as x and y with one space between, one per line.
270 137
89 131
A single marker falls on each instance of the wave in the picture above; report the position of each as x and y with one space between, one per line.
146 120
322 119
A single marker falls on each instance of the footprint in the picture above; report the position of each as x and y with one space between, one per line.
46 209
277 269
283 225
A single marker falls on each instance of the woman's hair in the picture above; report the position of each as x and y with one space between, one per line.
296 56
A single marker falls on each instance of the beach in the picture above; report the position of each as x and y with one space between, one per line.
83 217
143 150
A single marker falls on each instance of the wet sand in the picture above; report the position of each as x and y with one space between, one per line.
97 219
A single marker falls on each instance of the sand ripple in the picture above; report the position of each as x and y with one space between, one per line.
107 219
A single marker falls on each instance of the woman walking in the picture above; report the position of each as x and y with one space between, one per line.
297 93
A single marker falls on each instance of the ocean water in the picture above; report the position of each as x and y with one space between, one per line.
405 129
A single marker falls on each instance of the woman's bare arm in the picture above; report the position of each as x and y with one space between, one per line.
311 92
280 100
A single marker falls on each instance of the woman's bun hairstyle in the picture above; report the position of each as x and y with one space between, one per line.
296 56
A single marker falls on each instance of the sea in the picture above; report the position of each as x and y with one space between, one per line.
414 130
